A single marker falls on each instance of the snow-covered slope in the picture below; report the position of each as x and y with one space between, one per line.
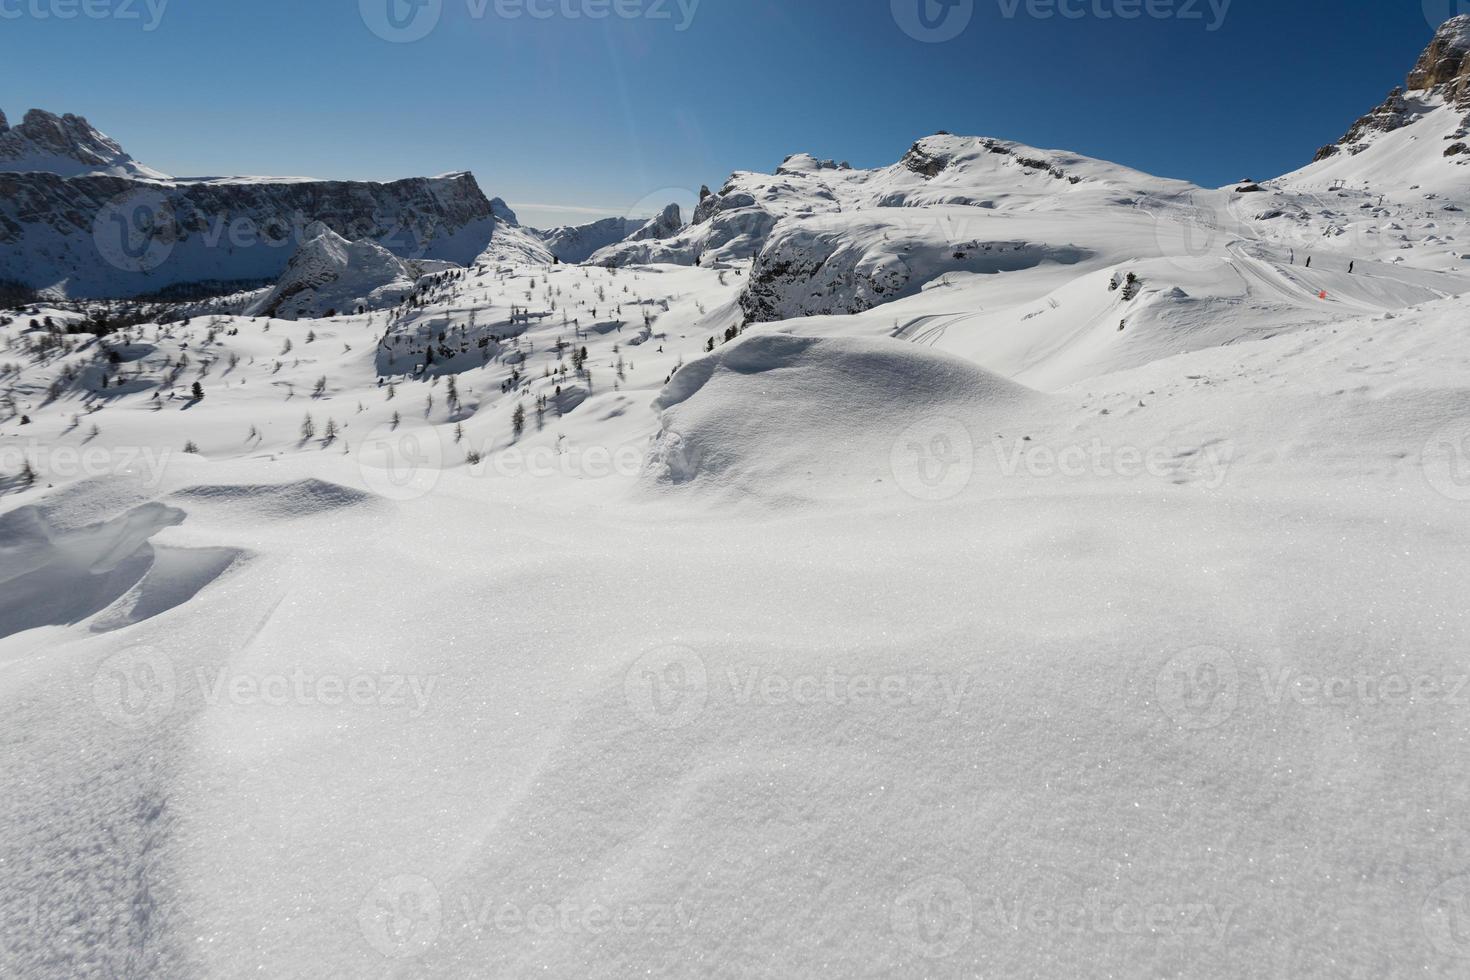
64 145
577 243
1075 588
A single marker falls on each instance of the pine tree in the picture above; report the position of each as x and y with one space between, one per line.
198 392
518 420
308 428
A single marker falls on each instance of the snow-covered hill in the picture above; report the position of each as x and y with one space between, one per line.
329 274
576 244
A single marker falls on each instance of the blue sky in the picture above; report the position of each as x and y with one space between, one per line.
596 115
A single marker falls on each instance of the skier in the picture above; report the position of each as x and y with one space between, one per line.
1351 266
1309 261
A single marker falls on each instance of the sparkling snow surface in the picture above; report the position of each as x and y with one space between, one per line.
967 635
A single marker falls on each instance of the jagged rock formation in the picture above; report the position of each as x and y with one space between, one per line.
65 145
1442 72
1446 62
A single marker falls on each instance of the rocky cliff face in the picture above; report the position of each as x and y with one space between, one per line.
105 236
65 145
1442 72
1445 64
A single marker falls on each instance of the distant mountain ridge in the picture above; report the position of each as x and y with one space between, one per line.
68 146
80 218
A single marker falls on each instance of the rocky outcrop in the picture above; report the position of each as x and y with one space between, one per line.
68 146
1445 64
1443 71
853 261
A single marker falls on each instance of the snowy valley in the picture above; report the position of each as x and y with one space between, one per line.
998 563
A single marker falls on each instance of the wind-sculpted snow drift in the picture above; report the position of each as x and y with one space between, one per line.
55 576
781 417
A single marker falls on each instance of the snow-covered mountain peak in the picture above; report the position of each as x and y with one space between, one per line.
665 224
329 274
65 145
1441 77
1418 139
803 163
502 212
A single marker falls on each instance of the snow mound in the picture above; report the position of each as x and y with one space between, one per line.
280 502
796 418
330 275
